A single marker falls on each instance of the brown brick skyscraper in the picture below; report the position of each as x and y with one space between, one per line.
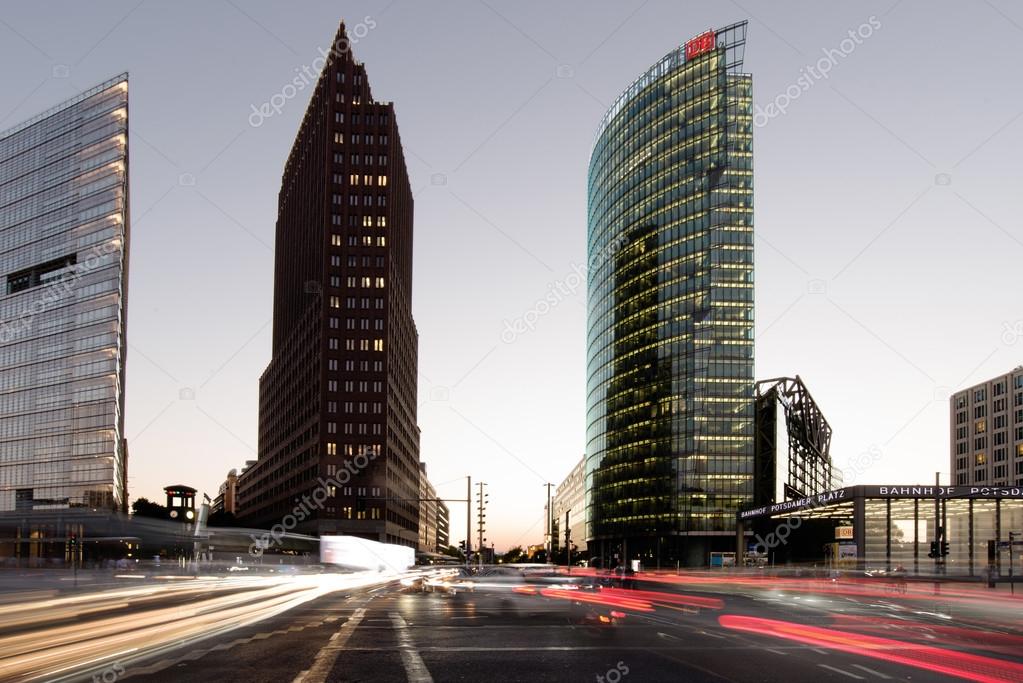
340 391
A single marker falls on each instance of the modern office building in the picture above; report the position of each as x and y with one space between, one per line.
792 445
443 526
569 502
986 432
669 454
338 399
64 258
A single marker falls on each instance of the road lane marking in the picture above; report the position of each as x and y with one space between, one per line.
327 656
839 671
415 669
871 671
777 652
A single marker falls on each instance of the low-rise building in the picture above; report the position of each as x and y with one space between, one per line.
434 521
569 503
226 496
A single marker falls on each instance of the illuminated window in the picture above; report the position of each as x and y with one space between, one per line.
981 426
335 302
331 448
981 458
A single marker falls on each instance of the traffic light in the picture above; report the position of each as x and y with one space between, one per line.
73 541
461 546
934 550
944 549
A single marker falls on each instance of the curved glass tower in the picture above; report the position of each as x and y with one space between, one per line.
669 454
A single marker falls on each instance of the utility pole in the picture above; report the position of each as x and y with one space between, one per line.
468 521
550 525
481 521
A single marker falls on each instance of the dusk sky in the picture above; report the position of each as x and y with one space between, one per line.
888 236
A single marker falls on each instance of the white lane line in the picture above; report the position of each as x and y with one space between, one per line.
712 635
871 671
415 669
328 655
839 671
777 652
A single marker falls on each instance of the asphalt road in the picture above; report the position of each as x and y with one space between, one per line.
802 631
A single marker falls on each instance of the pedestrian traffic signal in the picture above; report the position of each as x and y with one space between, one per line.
73 541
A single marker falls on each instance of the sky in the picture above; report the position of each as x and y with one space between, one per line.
888 239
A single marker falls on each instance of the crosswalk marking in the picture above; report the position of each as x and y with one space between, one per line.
328 655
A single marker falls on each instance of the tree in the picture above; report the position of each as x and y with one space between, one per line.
143 507
516 554
452 551
221 518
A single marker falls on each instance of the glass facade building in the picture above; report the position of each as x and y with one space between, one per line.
890 527
669 453
64 263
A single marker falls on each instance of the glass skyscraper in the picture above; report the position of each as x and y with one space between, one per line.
64 263
669 455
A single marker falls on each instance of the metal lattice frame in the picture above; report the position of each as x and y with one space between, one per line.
809 443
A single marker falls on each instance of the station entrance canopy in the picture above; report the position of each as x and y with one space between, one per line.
886 527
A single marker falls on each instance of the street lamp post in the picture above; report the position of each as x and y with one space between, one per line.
568 543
